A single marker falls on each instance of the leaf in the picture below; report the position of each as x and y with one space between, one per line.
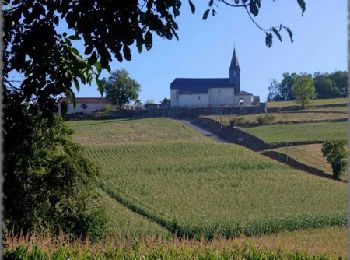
268 40
98 67
277 33
205 15
74 37
127 52
290 33
302 5
93 58
148 40
211 2
193 8
253 8
75 51
213 12
100 86
76 83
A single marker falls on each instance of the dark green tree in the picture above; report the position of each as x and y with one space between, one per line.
165 101
335 153
324 86
340 81
120 88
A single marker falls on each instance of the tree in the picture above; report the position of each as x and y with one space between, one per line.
120 88
150 101
340 81
324 86
165 101
303 89
335 153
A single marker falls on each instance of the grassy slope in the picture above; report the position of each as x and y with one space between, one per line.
300 132
112 132
283 117
318 102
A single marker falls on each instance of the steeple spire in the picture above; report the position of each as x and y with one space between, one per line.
234 61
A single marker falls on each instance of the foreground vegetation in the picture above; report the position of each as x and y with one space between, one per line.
300 132
324 243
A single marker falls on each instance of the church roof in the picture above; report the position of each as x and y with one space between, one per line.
188 85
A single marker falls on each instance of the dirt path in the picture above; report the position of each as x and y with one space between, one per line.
204 132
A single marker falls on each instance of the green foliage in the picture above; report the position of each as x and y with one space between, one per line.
109 108
265 119
49 184
327 85
303 89
120 88
237 121
335 153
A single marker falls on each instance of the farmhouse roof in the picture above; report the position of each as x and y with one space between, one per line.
242 92
88 100
188 85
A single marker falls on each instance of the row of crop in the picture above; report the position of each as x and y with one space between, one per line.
157 252
234 229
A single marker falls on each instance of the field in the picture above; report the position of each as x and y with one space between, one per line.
112 132
318 102
282 117
300 132
205 187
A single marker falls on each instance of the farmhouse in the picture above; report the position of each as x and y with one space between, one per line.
85 104
211 92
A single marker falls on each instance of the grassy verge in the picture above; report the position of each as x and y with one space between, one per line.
320 244
318 102
300 132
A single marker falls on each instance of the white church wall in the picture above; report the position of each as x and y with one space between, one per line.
221 96
193 100
174 98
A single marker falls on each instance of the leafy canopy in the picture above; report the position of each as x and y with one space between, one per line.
303 89
120 88
335 153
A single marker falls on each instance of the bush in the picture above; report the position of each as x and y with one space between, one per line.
265 119
335 153
237 121
49 184
109 108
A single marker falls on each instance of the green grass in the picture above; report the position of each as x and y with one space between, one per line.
124 224
300 132
281 117
151 130
217 188
317 102
310 155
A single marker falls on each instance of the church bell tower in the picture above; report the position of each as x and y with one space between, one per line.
234 73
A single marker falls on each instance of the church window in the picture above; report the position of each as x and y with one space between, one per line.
199 97
219 91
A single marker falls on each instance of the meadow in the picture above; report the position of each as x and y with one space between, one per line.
317 132
206 188
316 102
285 117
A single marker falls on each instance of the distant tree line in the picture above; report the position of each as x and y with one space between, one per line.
327 85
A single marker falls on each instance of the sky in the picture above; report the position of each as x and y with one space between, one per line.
204 49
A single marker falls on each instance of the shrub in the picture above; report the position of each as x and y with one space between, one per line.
237 121
109 108
49 184
335 153
265 119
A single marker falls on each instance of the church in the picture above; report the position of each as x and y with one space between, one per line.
211 92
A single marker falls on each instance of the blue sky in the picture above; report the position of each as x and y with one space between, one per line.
204 49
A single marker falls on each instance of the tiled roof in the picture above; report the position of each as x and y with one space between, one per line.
188 85
88 100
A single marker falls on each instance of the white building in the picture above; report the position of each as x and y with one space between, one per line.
189 92
85 104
